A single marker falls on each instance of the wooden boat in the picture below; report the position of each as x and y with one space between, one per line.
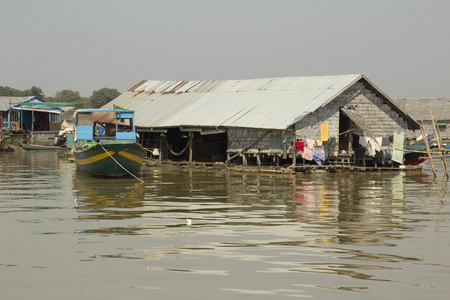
413 158
110 150
42 147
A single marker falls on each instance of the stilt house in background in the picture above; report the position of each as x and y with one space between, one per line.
259 120
17 113
419 109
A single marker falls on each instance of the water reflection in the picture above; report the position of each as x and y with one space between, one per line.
246 211
318 235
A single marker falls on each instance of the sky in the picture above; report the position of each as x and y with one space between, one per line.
402 46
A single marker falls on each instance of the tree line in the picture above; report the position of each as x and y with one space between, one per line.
96 100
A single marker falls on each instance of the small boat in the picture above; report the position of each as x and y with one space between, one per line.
105 143
42 147
413 158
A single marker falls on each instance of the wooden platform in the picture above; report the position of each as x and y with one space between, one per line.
348 167
334 167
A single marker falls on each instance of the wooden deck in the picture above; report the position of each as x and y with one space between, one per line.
337 166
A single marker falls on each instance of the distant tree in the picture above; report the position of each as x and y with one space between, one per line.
37 92
67 96
7 91
34 91
102 96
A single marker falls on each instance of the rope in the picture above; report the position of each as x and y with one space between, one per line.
142 181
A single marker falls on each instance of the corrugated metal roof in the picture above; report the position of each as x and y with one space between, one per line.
271 103
7 102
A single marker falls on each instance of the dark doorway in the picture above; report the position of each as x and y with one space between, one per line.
344 131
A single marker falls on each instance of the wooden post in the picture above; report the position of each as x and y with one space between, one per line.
32 118
258 159
191 138
438 137
424 135
160 147
294 153
244 159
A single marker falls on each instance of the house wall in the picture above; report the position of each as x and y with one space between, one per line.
379 117
45 138
443 130
419 109
239 138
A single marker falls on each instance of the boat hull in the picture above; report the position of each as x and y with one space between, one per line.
110 158
41 147
416 158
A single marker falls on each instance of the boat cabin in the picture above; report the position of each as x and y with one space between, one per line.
93 125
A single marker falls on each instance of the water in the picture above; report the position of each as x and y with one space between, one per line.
253 236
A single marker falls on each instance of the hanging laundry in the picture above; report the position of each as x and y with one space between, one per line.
319 157
324 132
308 152
399 138
363 141
299 146
372 145
329 147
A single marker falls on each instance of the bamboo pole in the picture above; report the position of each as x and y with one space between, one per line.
424 135
438 136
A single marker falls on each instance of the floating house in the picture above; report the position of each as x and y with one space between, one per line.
17 114
419 109
262 121
24 115
6 103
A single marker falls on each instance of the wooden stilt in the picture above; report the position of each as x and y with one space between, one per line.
424 135
160 148
191 138
294 153
439 140
244 159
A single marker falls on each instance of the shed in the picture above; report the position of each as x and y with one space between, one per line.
258 118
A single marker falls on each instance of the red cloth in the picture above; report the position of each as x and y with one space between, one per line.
299 145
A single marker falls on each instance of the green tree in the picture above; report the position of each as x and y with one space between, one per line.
102 96
37 92
67 96
34 91
7 91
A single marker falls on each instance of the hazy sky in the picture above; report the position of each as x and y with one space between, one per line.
85 45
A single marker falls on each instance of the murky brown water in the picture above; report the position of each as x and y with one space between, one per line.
253 236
